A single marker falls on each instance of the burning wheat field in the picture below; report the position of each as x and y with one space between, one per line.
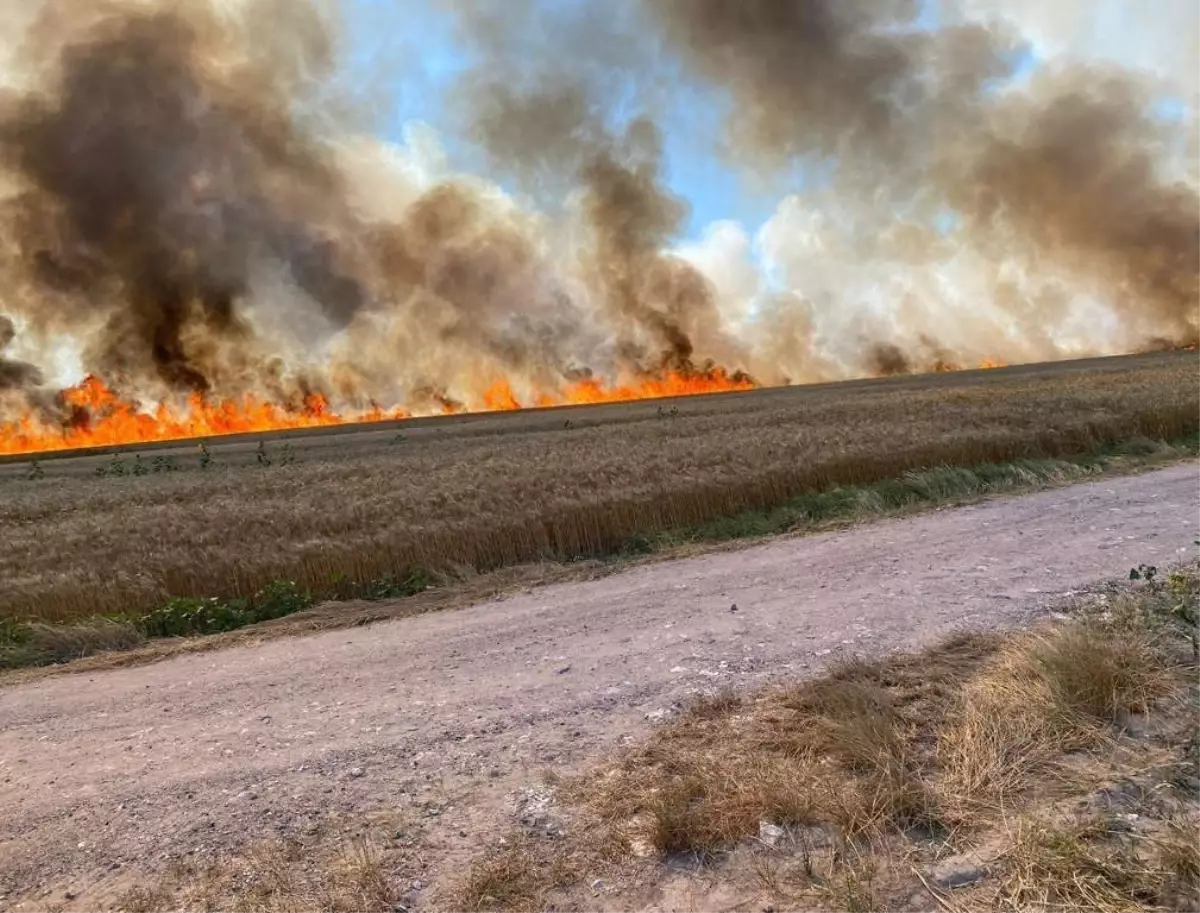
245 339
201 233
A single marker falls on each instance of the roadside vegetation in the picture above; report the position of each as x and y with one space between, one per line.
103 552
1052 769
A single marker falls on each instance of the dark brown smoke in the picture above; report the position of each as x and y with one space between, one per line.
633 218
885 359
542 106
156 171
1076 180
451 261
816 78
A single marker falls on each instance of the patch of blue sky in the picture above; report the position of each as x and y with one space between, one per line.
1171 110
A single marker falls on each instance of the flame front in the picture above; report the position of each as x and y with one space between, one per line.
99 417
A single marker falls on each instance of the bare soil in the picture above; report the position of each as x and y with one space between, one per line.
439 721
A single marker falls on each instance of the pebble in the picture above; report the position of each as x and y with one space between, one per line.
768 833
957 872
356 771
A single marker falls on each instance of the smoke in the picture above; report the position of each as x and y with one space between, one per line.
822 78
14 374
1065 177
187 198
155 172
1074 179
541 106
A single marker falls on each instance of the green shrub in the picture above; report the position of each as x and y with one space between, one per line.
181 616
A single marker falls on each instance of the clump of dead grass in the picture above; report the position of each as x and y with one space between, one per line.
1106 671
39 644
522 871
1049 694
277 876
510 878
1097 863
903 757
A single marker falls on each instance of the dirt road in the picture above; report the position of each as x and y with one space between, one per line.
131 767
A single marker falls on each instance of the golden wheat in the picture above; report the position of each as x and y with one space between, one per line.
489 491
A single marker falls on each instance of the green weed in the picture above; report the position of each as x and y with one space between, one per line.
181 616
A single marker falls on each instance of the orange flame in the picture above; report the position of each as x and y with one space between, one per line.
98 417
101 418
946 367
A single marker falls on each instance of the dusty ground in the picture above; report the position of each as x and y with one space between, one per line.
438 720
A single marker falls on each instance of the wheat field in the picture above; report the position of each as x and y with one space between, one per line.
98 533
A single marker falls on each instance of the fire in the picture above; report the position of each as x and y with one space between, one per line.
99 417
946 367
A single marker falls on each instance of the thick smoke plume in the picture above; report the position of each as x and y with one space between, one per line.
153 174
187 204
1063 176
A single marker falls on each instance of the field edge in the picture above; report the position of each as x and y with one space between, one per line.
31 649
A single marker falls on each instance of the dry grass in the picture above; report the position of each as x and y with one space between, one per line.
492 491
1098 863
877 770
1042 699
274 877
523 872
41 644
870 773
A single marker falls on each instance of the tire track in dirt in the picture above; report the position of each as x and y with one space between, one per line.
202 752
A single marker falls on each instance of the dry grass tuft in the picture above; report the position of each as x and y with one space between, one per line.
1179 857
508 879
703 804
1099 864
523 872
1106 671
716 706
1045 696
852 889
1059 867
278 876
